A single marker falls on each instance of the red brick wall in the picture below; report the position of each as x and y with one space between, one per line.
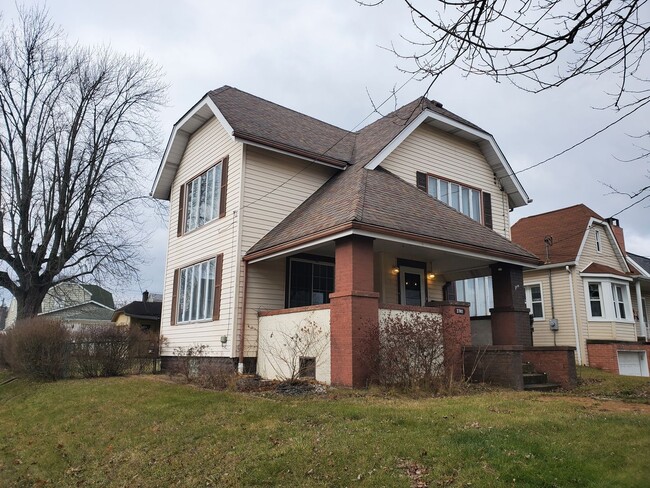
510 317
354 313
605 356
499 365
558 363
456 333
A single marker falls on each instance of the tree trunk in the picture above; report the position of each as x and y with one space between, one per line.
29 302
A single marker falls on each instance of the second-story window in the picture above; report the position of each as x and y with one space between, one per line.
203 198
464 199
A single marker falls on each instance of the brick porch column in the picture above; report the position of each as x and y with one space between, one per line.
510 317
456 334
354 313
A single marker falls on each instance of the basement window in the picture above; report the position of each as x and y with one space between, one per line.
307 367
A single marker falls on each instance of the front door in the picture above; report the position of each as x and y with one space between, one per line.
412 285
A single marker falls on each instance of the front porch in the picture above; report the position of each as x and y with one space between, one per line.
345 285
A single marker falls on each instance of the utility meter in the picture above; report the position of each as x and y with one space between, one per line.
553 324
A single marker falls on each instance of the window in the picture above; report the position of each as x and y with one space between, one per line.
618 293
307 367
196 291
478 292
598 248
595 302
464 199
310 282
203 199
608 299
534 301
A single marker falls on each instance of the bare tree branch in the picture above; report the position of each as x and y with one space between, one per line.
75 127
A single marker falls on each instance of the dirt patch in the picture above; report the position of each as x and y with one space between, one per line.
600 404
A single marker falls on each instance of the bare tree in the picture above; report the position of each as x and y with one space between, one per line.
535 44
75 126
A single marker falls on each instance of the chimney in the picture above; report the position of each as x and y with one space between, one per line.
145 296
618 233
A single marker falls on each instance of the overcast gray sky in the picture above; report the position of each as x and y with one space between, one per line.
320 58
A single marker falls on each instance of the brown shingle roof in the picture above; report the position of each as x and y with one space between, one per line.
597 268
258 120
380 201
567 227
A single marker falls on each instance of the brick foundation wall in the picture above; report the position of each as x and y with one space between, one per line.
456 333
605 355
558 363
499 365
167 363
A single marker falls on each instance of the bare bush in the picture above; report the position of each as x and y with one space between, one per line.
411 351
216 374
186 361
284 349
38 348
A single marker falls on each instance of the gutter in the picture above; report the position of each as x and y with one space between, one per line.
575 316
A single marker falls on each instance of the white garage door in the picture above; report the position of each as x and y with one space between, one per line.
632 363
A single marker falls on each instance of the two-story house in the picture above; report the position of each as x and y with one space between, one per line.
277 218
587 294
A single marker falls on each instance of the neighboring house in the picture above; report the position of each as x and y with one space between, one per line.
4 311
79 304
585 294
143 313
278 219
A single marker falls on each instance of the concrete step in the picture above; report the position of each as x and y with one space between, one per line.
535 378
542 387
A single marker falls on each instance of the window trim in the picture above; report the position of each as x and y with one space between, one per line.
529 299
214 313
184 197
481 208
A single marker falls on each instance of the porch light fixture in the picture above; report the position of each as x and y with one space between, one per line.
431 276
395 270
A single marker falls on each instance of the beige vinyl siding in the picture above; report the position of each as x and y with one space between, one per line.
69 293
542 335
430 150
607 256
274 186
207 146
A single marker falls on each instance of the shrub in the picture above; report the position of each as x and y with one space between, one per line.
215 374
37 347
186 361
411 351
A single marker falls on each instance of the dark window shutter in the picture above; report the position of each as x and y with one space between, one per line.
224 187
487 210
449 291
174 297
421 181
217 288
181 211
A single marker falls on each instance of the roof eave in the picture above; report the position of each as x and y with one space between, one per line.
357 227
493 154
198 115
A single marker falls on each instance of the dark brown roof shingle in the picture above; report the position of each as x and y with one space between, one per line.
383 202
567 227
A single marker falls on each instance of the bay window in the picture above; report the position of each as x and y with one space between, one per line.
608 299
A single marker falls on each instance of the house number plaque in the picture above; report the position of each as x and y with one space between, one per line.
460 311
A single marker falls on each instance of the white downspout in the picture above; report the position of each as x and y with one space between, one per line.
639 306
575 316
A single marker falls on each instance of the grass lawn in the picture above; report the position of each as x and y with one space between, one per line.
149 432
